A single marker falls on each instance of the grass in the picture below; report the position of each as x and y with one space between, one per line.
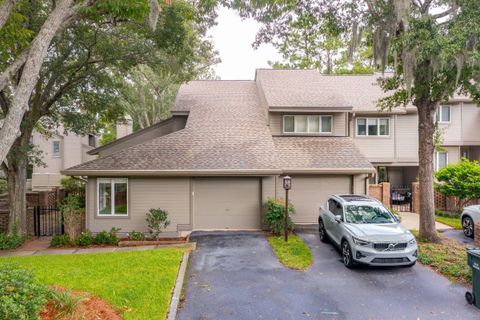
294 254
137 283
453 222
447 257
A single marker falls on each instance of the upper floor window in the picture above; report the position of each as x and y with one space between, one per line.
372 127
443 114
307 124
112 197
56 149
91 140
440 160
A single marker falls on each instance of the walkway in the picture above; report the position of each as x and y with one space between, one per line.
411 221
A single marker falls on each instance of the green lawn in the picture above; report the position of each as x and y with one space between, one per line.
294 254
137 283
447 257
453 222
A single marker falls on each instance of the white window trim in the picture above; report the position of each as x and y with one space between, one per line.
307 132
378 127
56 154
439 113
437 159
112 186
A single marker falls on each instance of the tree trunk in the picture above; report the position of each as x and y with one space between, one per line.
10 130
17 181
5 9
426 149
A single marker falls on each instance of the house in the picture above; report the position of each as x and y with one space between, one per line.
62 150
222 153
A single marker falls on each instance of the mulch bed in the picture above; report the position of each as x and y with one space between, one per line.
89 308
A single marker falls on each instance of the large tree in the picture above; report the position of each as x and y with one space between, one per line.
76 85
431 45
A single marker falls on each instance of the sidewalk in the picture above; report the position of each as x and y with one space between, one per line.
411 221
24 250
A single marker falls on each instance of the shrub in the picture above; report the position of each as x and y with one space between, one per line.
136 236
274 219
85 239
74 186
72 212
10 241
64 302
109 237
21 296
157 219
62 240
461 180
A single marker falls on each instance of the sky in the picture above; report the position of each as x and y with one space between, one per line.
233 38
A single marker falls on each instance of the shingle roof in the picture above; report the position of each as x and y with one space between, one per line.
299 88
327 153
226 130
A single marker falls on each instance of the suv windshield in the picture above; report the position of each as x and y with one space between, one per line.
368 214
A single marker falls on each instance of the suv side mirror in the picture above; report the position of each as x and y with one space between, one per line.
338 219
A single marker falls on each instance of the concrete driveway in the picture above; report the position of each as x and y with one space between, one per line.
237 276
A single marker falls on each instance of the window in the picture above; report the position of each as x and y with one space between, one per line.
373 127
440 160
56 149
443 114
335 208
307 124
112 197
91 140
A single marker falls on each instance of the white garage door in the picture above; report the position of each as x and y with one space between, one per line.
226 203
309 193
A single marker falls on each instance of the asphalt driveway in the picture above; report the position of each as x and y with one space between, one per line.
237 276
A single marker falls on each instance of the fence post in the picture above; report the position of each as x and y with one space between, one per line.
386 194
416 197
36 218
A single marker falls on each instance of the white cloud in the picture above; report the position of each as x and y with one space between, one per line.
233 38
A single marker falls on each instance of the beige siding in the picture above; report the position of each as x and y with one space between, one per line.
471 124
359 184
376 149
172 195
453 154
339 123
406 138
268 188
308 193
452 132
226 203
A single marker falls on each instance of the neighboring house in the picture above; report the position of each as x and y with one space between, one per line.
63 150
222 153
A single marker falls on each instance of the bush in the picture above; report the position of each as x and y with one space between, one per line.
60 240
74 186
274 219
21 297
10 241
157 219
136 236
72 212
64 302
85 239
109 238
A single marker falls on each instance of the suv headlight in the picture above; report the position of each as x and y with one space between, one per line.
412 241
361 242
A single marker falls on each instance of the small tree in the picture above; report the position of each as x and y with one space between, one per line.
460 180
72 208
157 219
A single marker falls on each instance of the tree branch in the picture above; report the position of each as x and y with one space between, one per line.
445 13
5 9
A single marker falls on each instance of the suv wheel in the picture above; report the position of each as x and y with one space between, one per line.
347 255
322 232
467 225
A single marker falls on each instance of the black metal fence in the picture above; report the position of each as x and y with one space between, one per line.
401 198
47 221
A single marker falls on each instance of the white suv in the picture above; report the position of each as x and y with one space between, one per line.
366 232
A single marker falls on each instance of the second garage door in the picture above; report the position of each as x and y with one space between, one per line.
309 193
226 203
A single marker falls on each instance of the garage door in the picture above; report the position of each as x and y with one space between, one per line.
309 193
226 203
